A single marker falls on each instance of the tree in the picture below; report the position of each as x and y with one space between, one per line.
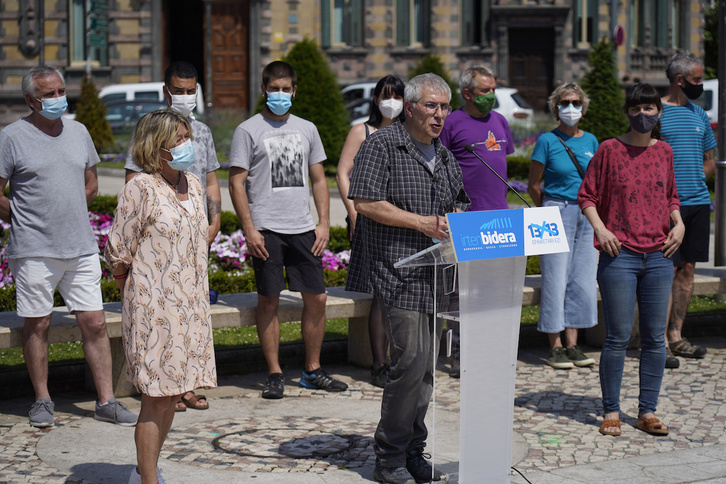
710 44
318 97
604 117
92 113
433 63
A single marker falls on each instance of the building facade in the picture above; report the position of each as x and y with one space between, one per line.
532 45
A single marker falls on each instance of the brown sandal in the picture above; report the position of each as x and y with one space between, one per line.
650 426
180 407
612 422
197 402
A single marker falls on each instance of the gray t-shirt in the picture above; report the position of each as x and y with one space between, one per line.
429 153
48 190
277 156
205 155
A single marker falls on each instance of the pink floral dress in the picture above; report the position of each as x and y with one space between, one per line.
167 328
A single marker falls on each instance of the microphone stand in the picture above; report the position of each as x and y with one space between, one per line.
470 149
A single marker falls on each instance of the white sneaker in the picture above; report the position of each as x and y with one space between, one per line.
158 476
135 477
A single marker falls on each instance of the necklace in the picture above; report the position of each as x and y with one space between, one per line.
175 186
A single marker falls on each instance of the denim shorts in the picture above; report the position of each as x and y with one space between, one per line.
569 279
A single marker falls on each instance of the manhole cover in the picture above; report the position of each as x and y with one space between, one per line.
285 442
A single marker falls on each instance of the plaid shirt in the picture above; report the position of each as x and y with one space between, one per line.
389 167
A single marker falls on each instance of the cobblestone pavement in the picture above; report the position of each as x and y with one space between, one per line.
556 413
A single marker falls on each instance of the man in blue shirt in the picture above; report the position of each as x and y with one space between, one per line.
686 128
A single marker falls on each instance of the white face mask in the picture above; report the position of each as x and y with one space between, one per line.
184 104
570 115
390 108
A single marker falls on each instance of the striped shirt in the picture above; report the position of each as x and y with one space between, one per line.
688 131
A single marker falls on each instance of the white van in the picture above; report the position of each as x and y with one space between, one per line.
709 101
142 90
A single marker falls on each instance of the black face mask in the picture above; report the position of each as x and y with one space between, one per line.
692 91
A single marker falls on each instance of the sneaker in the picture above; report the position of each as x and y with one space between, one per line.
392 475
320 380
671 361
687 350
420 469
41 413
379 377
455 368
558 359
135 477
115 412
576 356
158 476
274 386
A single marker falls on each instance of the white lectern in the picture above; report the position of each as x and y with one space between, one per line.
490 249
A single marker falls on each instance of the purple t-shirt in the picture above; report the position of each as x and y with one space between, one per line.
492 141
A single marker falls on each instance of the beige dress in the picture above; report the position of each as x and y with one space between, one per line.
167 328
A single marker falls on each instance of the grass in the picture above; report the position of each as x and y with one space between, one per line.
245 336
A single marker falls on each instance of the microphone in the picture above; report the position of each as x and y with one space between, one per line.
470 149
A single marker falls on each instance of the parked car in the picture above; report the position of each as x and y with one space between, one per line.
709 101
123 115
357 91
515 109
153 91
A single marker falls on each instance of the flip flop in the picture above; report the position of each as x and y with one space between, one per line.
612 422
650 426
197 402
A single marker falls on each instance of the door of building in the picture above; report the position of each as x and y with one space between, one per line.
230 30
531 64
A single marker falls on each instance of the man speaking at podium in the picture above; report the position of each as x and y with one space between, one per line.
403 183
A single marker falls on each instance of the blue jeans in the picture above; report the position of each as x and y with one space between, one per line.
622 278
569 292
414 339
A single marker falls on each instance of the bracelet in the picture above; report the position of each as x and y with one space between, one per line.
120 276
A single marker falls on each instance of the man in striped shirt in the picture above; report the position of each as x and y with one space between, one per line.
686 128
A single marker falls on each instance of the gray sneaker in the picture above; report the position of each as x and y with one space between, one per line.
578 358
558 359
115 412
41 413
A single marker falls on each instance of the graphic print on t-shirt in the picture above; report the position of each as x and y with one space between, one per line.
492 143
285 153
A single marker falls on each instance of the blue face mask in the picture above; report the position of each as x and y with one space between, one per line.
279 102
182 155
54 107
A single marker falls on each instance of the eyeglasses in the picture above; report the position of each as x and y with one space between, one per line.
564 103
432 107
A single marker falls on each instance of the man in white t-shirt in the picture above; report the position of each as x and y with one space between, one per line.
273 154
50 163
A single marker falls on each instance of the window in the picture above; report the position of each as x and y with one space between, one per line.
474 22
585 27
413 18
342 23
92 43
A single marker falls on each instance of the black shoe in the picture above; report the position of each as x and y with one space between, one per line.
392 475
274 386
379 377
455 369
671 361
420 469
320 380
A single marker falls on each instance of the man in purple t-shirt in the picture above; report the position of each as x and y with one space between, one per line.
488 132
476 124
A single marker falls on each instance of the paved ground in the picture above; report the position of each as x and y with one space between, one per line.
316 437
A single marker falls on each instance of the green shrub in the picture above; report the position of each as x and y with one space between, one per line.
335 278
226 283
533 265
339 239
604 118
518 167
91 112
103 204
230 223
433 63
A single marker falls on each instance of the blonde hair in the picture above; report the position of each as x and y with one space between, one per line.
567 88
153 132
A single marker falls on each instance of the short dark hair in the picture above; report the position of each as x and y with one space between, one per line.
278 70
643 93
180 69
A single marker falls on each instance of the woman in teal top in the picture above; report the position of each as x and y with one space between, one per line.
569 290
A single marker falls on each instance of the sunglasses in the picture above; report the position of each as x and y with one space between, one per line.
564 103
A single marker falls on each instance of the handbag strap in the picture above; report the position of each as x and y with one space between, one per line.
572 155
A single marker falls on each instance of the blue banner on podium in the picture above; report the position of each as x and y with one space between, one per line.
496 234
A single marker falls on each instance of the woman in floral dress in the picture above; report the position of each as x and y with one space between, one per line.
157 250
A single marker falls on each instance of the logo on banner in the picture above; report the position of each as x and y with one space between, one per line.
496 232
546 233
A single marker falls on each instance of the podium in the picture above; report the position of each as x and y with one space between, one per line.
490 251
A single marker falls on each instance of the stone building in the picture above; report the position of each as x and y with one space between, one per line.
531 44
